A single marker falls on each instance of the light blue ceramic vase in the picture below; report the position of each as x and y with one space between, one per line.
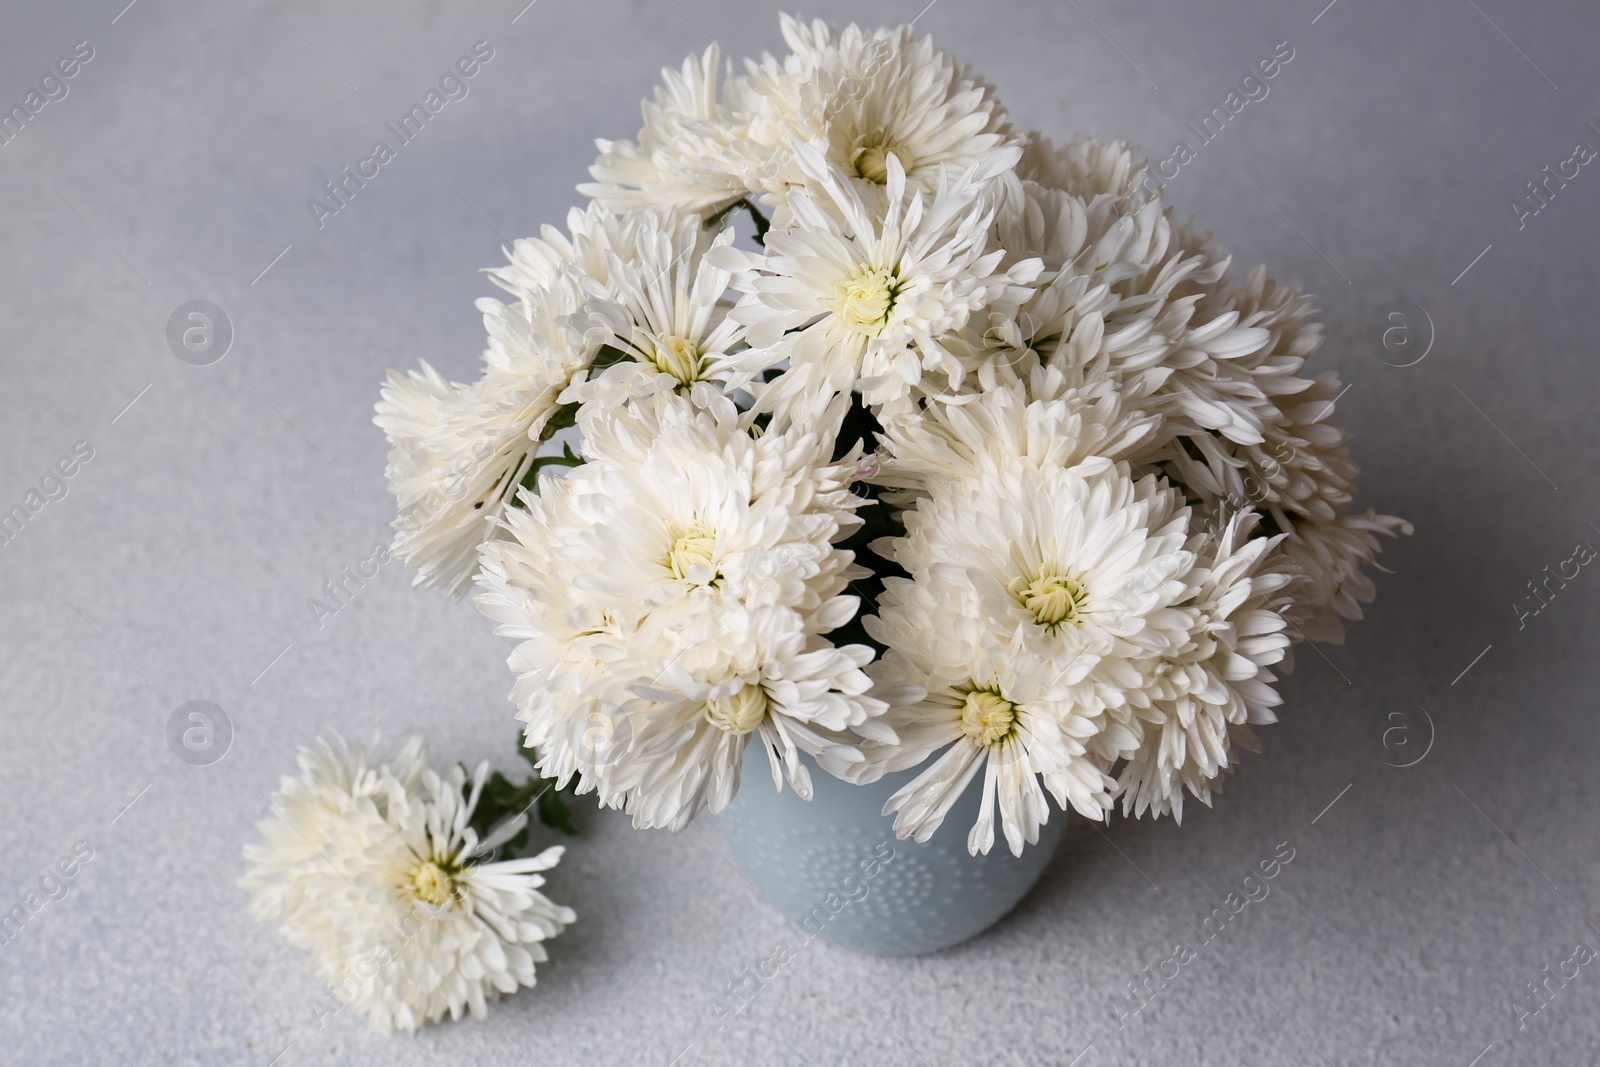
834 869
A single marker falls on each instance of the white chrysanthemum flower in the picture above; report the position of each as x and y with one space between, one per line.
463 932
857 97
1143 300
1279 453
565 641
1333 556
863 298
329 806
672 596
1049 590
994 713
583 249
453 462
687 520
861 98
378 875
688 726
1146 285
1116 304
1038 420
460 451
1205 697
687 131
661 310
1088 168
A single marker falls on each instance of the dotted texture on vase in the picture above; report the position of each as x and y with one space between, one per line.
834 869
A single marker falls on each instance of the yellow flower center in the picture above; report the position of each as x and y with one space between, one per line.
871 156
678 357
432 883
866 300
740 713
1052 598
987 717
696 546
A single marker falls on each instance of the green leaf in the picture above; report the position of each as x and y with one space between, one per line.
551 808
607 356
566 459
536 797
879 519
553 812
495 803
860 424
761 221
564 417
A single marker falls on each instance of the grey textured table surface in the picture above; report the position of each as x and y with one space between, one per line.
180 563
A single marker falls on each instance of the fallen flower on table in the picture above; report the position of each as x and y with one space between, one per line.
371 864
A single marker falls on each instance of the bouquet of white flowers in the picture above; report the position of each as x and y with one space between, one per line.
962 444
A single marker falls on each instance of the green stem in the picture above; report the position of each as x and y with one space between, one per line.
566 459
